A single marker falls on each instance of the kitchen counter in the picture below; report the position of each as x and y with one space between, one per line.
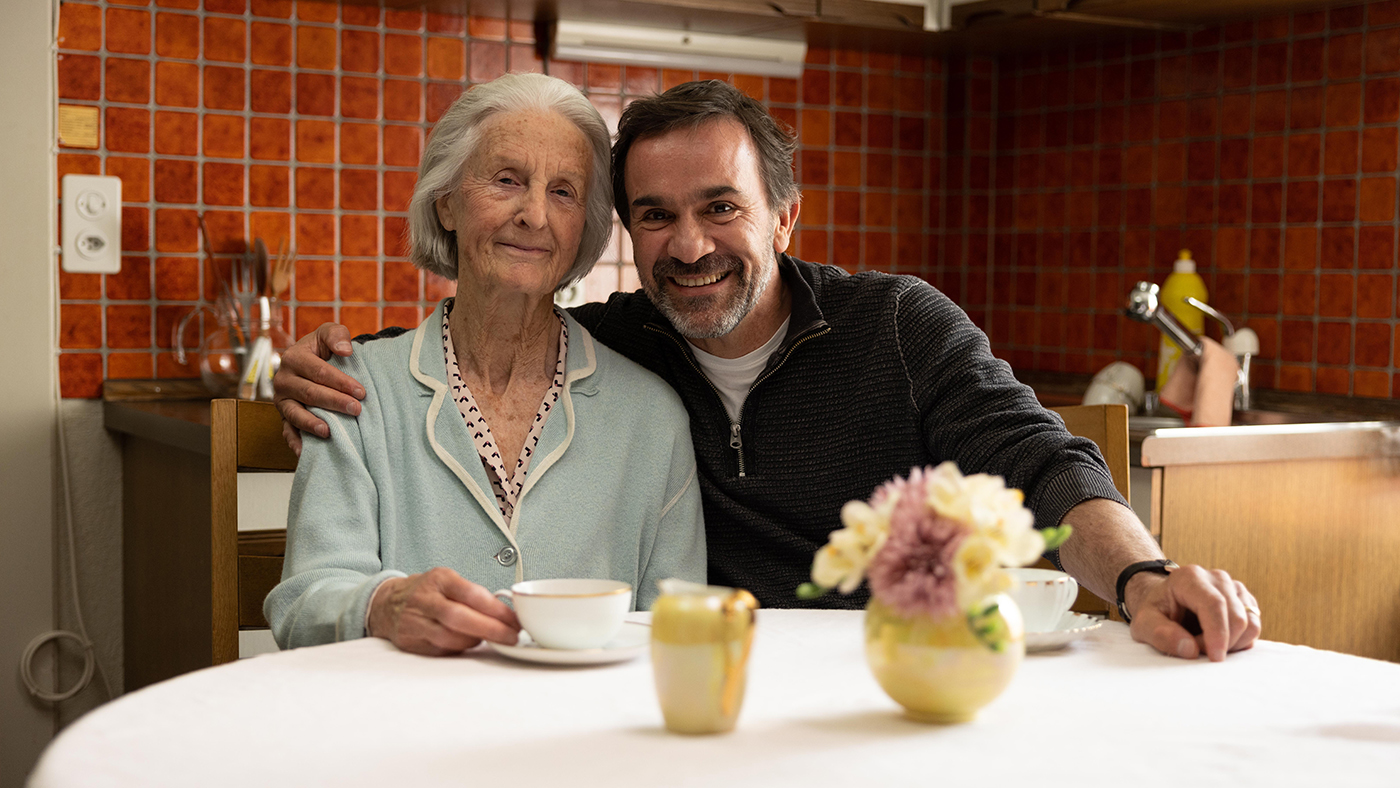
166 548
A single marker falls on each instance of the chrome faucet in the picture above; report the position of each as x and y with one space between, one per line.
1243 347
1145 306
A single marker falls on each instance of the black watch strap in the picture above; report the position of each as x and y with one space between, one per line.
1161 566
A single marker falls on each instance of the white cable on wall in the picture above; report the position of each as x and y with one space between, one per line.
26 662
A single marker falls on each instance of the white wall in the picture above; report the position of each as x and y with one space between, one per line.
95 474
26 388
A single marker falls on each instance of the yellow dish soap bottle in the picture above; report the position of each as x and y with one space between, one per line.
1183 282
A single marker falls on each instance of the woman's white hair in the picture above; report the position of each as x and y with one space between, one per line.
453 141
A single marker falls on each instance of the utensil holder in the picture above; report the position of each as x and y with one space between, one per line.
235 346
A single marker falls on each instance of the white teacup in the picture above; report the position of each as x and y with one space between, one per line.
1043 595
570 613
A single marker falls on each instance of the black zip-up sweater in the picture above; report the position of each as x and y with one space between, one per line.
878 374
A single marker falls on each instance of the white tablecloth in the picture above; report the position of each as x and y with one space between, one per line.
1106 711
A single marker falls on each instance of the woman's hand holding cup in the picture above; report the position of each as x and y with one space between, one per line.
439 612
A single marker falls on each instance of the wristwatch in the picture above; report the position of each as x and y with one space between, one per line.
1162 566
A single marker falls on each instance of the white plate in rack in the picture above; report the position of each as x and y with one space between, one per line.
1071 627
629 643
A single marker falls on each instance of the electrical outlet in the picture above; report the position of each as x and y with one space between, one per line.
92 224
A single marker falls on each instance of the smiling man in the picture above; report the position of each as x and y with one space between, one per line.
808 387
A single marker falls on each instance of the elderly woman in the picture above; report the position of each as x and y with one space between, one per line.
497 442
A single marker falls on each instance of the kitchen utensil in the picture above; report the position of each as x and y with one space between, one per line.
268 340
282 270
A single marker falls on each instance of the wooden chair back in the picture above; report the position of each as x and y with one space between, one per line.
1107 427
244 436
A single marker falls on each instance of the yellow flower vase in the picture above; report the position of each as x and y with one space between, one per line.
939 668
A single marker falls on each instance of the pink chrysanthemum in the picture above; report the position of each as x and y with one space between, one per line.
913 572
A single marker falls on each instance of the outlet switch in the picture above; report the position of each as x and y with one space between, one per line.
92 224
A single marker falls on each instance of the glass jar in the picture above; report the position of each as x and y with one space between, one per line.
239 353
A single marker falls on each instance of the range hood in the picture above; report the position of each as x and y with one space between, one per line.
631 45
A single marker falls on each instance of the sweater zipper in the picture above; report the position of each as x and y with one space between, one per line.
736 440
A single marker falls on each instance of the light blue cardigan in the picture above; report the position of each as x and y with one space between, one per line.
611 491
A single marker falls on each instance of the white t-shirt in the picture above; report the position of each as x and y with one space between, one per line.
733 377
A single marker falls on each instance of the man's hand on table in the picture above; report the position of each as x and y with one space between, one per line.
438 612
305 378
1108 537
1162 607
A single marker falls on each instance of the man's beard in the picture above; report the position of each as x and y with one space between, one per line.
711 316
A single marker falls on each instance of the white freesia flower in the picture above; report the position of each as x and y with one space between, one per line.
978 570
842 562
946 494
830 567
993 511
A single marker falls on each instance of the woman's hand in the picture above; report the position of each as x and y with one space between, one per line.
438 613
304 378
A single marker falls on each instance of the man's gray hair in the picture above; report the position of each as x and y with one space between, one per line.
453 141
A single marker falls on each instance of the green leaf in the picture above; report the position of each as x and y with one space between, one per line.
1056 536
811 591
988 625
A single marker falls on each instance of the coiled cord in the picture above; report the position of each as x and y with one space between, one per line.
26 666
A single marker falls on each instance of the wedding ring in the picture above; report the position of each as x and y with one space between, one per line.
1253 609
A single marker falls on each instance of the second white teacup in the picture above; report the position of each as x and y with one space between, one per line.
1043 595
570 613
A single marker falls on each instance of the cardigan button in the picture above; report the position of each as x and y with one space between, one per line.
507 556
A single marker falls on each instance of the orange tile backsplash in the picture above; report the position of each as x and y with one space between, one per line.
1033 188
1266 146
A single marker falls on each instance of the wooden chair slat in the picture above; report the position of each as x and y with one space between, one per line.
245 566
1107 427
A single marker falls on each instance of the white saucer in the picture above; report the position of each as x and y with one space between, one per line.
1071 627
630 642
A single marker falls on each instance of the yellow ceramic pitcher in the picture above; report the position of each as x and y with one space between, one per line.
700 640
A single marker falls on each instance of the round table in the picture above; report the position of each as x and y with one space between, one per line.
1105 711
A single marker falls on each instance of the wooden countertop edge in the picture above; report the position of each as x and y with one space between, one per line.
1272 443
130 418
172 412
